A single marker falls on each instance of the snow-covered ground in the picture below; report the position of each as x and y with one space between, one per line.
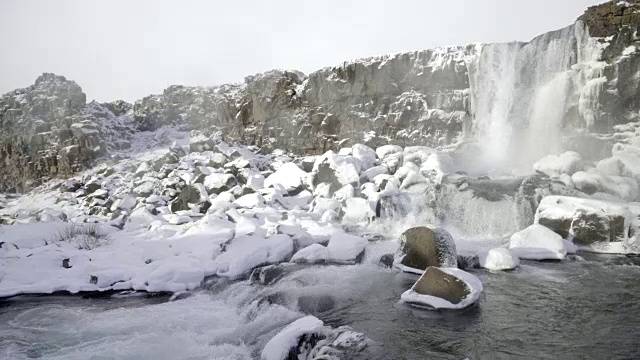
174 217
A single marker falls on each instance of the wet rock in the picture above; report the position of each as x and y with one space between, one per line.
444 288
267 275
422 247
386 260
437 283
468 262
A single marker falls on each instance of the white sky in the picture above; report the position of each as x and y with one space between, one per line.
121 49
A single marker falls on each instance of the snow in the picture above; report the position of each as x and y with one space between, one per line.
358 210
499 259
568 163
248 252
366 155
279 346
473 283
538 242
289 175
345 248
251 201
311 254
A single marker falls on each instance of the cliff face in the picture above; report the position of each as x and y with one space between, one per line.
494 95
48 130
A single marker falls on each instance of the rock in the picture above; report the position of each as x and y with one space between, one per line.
586 221
386 260
499 259
346 249
65 263
358 210
538 242
312 254
567 163
421 247
253 200
444 288
126 203
365 155
295 339
217 183
468 262
267 275
70 185
290 176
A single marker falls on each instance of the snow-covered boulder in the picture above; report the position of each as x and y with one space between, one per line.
253 200
216 183
285 344
499 259
390 156
592 181
371 173
126 203
624 162
439 163
345 248
312 254
538 242
444 288
421 247
365 154
586 221
416 154
289 175
358 210
568 163
331 172
248 252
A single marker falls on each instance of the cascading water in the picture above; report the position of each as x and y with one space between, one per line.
522 93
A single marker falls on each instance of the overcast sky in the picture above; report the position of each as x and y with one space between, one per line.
129 49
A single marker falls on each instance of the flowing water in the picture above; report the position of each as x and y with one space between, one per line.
525 95
568 310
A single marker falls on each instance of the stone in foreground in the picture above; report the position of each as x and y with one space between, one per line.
499 259
421 247
444 288
538 242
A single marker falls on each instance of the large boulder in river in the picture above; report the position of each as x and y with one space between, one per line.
421 247
587 221
444 288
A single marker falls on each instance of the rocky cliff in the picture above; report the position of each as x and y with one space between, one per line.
561 83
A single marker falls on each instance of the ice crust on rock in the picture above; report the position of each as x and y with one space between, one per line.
474 286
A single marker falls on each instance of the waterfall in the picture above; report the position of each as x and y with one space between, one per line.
522 93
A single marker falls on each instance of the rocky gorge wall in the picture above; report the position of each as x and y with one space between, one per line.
576 86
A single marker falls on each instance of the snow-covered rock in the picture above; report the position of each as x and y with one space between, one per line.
358 210
286 341
499 259
312 254
253 200
568 163
289 175
538 242
345 248
586 221
247 252
366 155
444 288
